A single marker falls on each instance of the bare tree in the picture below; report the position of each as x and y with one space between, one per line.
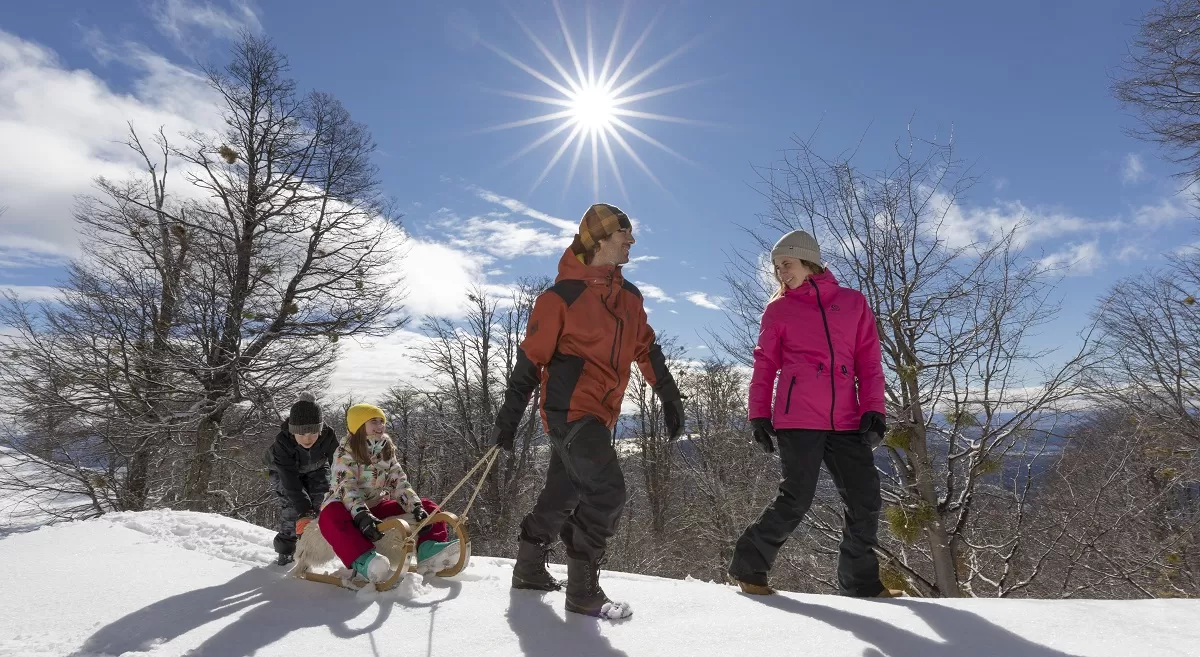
965 393
1151 344
1160 81
470 361
91 377
1123 508
656 450
189 315
294 234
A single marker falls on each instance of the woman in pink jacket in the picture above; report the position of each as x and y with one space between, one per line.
818 351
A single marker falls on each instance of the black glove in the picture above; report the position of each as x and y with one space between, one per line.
874 426
368 524
502 437
673 417
419 513
764 431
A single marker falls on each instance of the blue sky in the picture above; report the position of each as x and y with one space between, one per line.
1023 85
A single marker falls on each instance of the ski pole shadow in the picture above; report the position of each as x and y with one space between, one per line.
270 608
959 632
542 633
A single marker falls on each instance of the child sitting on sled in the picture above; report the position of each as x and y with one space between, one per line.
369 486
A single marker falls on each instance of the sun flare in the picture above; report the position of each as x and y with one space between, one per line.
593 107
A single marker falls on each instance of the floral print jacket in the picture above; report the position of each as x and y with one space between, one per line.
360 486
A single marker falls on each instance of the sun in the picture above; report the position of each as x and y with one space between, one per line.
593 105
592 108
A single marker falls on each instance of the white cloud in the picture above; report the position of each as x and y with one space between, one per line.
1187 249
62 128
1133 171
367 367
965 226
704 300
1167 210
653 292
34 292
1078 259
566 227
999 184
181 19
506 239
437 277
1131 252
637 260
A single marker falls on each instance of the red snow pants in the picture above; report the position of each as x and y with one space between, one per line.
348 543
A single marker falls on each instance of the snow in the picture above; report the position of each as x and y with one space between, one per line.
165 584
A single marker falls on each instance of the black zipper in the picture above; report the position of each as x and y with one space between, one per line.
788 407
828 339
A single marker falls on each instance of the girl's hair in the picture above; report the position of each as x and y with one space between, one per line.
358 446
812 266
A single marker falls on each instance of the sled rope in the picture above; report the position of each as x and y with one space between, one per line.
489 459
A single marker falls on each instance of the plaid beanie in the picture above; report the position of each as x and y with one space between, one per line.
599 222
305 416
799 245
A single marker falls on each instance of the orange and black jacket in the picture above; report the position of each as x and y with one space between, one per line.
582 337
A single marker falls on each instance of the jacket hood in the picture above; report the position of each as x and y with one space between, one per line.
570 268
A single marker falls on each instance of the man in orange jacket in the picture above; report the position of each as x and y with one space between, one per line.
582 337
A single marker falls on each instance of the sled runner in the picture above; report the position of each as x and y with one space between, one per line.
399 542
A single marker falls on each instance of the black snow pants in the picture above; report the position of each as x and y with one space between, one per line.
851 465
316 484
584 493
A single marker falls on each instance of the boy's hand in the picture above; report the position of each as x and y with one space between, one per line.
302 522
419 513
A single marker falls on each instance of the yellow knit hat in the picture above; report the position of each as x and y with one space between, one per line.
358 414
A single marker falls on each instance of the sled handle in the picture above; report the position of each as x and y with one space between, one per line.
489 458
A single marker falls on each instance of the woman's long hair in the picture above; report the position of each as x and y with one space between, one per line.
812 266
358 446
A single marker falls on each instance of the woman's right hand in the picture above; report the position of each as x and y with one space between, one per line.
764 431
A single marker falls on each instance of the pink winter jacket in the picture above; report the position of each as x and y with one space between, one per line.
822 342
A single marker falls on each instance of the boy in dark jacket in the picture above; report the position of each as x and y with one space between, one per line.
298 463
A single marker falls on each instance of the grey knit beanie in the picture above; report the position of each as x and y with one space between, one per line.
305 415
797 244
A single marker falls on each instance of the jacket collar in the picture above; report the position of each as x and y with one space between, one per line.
825 282
571 268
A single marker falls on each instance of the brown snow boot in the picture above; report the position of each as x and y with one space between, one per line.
530 571
891 593
753 588
584 595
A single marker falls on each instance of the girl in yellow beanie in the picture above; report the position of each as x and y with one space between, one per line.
369 485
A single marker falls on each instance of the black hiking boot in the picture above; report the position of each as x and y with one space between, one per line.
530 570
584 595
284 559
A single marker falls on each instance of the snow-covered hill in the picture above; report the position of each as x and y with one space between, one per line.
164 583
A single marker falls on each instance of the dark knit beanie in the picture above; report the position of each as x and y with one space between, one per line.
599 222
305 416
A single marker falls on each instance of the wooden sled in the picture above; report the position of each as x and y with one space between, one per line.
399 542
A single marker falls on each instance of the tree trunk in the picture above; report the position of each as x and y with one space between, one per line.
944 567
136 481
199 474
